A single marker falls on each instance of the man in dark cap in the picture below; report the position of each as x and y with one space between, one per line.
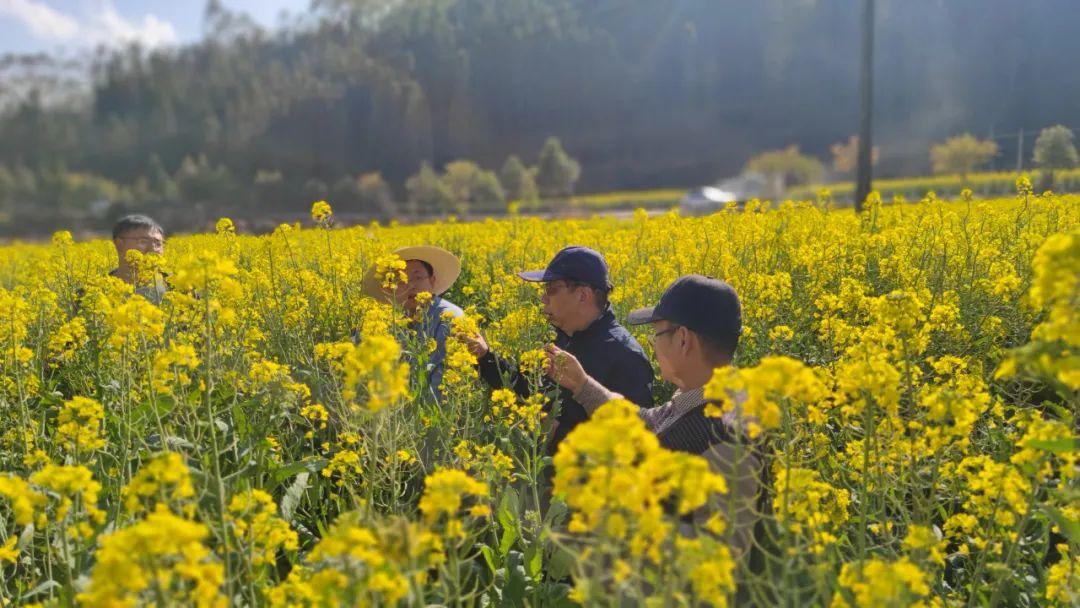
576 288
696 328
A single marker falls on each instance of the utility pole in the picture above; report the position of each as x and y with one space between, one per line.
863 166
1020 151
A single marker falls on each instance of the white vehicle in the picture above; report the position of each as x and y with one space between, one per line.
737 189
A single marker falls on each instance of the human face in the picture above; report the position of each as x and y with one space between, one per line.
561 303
664 340
417 280
143 240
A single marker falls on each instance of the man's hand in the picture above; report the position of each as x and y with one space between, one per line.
477 345
565 369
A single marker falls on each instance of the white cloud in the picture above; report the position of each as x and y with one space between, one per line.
42 20
110 28
102 24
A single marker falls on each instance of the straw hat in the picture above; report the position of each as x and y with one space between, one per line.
444 264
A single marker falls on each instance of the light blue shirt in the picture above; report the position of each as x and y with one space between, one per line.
434 327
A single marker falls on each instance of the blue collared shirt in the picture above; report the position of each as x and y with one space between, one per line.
435 327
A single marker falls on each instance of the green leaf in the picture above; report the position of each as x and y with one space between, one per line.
25 537
1070 528
1057 446
508 519
177 443
43 587
510 535
489 557
556 513
560 564
292 497
311 465
534 558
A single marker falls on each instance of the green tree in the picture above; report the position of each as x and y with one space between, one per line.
473 188
518 181
200 182
786 167
487 193
375 195
460 178
845 153
556 171
961 154
426 193
159 182
1054 149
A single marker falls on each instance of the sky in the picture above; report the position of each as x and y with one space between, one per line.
28 26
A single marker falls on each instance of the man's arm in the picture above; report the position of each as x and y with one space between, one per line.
493 369
565 369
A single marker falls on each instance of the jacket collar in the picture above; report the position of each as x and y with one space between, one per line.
598 327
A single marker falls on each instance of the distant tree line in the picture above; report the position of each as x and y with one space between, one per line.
369 101
961 155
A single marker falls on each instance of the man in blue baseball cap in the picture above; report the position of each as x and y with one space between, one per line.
696 328
576 287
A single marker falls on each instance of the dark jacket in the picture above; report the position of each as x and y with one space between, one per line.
607 352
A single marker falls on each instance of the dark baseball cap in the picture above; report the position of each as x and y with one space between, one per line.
704 305
574 263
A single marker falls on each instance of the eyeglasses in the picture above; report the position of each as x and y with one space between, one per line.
653 337
553 287
144 241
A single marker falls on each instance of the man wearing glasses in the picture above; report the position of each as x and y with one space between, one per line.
142 234
696 328
576 288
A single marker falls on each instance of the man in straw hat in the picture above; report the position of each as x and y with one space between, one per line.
576 287
432 270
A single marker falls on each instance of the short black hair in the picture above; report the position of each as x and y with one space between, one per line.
719 348
427 267
601 295
132 222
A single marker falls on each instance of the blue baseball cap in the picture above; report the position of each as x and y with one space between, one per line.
575 263
704 305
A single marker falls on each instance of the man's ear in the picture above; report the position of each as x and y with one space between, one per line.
685 336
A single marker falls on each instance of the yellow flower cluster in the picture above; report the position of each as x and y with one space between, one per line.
254 518
24 501
73 498
446 492
173 368
161 560
510 411
486 461
79 425
875 583
808 506
909 375
390 271
355 564
617 480
162 481
321 210
374 374
767 387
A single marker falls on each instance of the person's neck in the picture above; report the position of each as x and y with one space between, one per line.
126 273
698 375
583 323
